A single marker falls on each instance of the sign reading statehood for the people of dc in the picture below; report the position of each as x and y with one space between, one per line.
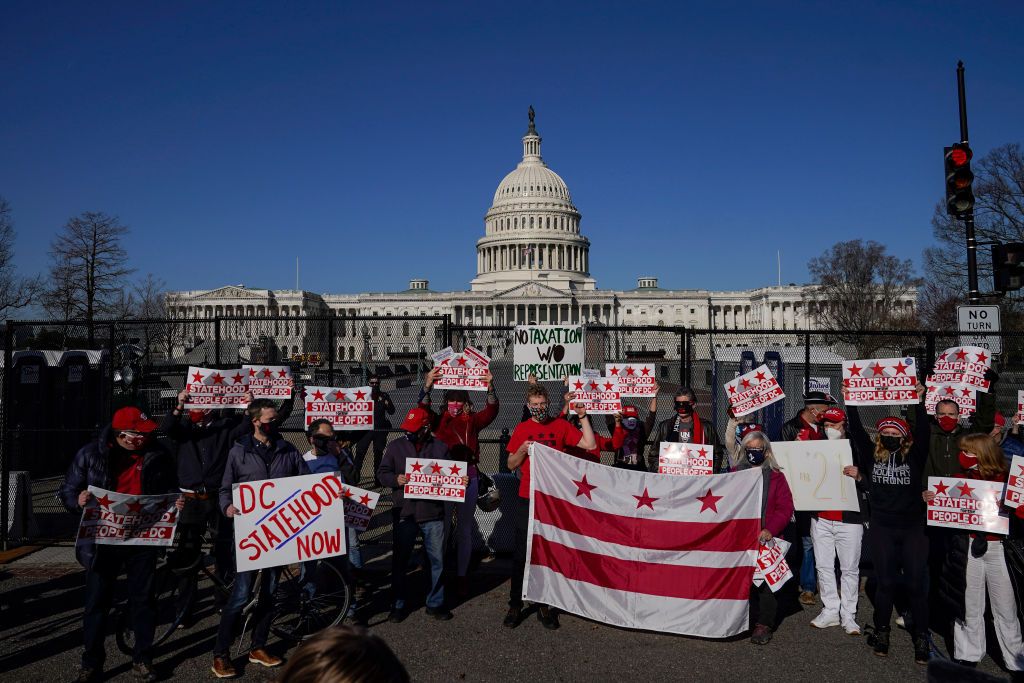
880 382
359 506
599 395
970 504
753 391
466 370
550 352
345 408
209 388
964 365
287 520
636 380
270 381
771 564
435 480
687 459
964 396
1015 483
111 518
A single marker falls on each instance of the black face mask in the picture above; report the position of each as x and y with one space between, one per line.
322 443
269 429
684 408
891 443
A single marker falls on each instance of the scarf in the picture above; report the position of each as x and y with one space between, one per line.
697 433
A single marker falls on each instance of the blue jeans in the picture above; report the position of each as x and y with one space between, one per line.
139 564
262 614
433 543
355 555
808 579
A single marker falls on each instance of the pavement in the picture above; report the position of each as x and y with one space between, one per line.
41 597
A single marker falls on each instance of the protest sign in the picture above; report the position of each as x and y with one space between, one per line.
880 382
1015 483
287 520
814 472
965 397
359 506
435 480
466 370
636 380
686 459
1020 405
970 504
208 388
550 352
111 518
346 408
752 391
588 373
965 365
599 395
771 564
270 381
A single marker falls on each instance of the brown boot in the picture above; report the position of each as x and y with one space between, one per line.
223 668
264 658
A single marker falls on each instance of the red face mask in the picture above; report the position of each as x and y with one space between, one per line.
947 423
198 416
967 460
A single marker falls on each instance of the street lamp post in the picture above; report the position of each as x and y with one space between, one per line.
366 350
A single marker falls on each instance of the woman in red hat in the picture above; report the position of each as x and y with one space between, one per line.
890 469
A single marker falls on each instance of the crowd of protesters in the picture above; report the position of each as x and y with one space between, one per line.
936 579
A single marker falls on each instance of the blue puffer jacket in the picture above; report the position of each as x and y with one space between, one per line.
91 467
245 464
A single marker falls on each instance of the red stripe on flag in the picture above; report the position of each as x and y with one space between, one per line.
730 535
665 580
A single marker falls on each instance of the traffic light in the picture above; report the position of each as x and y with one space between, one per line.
1008 267
959 195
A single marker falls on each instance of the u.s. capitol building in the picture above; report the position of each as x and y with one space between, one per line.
533 266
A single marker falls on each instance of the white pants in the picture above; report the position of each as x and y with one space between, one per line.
969 635
831 539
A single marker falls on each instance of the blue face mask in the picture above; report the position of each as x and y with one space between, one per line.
630 423
755 456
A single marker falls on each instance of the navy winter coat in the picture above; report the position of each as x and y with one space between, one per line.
245 464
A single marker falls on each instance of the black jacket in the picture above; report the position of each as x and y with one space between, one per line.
203 449
393 464
666 432
244 464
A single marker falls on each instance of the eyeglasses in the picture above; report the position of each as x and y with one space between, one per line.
133 435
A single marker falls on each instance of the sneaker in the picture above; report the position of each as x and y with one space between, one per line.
88 674
223 668
513 617
901 622
881 641
141 671
851 628
825 620
761 635
439 613
396 615
547 617
264 658
922 650
807 598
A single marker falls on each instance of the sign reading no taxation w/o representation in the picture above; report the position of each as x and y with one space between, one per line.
974 321
550 352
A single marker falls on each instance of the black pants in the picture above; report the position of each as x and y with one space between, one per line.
764 605
196 518
379 439
893 548
139 564
522 520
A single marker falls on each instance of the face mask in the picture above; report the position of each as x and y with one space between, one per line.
891 443
629 423
968 461
413 437
947 423
454 409
323 443
269 429
684 408
833 433
198 416
538 412
755 456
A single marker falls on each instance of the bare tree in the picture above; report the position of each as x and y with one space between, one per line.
860 287
88 268
159 334
16 292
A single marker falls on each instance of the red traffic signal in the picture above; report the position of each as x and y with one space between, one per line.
959 178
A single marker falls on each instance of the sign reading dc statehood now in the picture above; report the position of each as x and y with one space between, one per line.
209 388
550 352
345 408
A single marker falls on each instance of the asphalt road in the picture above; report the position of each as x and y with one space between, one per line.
40 613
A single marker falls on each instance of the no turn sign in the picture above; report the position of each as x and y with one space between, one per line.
974 321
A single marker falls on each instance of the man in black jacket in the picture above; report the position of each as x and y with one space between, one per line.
126 459
686 426
378 436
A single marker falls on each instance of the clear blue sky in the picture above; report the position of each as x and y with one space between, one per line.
368 138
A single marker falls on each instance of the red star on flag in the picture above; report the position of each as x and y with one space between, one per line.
644 499
965 490
360 395
982 357
950 391
614 371
854 370
445 361
760 377
267 373
282 373
609 386
237 377
462 360
584 487
218 378
645 371
709 502
878 369
631 371
365 500
197 377
732 388
318 395
940 489
252 372
961 354
1021 470
703 452
593 385
346 493
436 468
746 383
340 396
942 356
135 506
455 469
103 501
416 467
578 384
900 368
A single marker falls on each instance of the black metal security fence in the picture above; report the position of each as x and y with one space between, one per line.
62 381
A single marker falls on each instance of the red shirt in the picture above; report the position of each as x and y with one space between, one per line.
127 471
556 433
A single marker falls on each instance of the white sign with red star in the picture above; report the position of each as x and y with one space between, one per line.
964 365
599 395
771 564
636 380
969 504
359 506
435 480
270 381
1020 405
289 519
208 388
965 397
1015 483
346 408
814 472
880 382
464 370
685 459
751 392
111 518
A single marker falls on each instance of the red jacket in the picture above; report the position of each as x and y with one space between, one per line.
780 504
461 433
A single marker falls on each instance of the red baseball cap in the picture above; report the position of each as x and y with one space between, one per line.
750 427
416 420
131 419
833 415
896 423
630 411
1000 420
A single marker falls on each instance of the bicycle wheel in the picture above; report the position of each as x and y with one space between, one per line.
171 596
306 602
